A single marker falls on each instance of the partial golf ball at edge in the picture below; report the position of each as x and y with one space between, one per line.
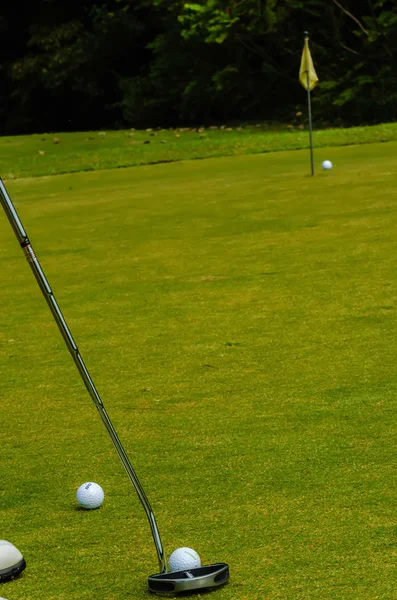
327 165
184 559
90 495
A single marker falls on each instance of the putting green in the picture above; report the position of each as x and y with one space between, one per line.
238 319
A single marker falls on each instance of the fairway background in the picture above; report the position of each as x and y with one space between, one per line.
238 319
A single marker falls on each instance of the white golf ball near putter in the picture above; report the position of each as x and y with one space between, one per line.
90 495
327 165
184 559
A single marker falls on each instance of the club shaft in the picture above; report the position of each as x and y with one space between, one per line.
25 244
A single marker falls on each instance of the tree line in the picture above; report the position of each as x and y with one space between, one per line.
80 64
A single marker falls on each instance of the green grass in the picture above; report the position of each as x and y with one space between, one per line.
238 319
51 154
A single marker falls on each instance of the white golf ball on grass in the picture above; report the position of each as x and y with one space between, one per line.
184 559
90 495
327 165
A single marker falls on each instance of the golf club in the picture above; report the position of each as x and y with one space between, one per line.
178 581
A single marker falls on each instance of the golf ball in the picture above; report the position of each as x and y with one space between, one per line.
327 165
184 559
90 495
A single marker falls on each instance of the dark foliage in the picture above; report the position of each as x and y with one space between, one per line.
82 65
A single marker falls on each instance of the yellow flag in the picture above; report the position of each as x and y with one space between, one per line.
307 68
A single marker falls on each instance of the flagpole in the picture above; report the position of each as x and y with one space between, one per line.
309 105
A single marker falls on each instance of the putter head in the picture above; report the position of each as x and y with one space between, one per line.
185 581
